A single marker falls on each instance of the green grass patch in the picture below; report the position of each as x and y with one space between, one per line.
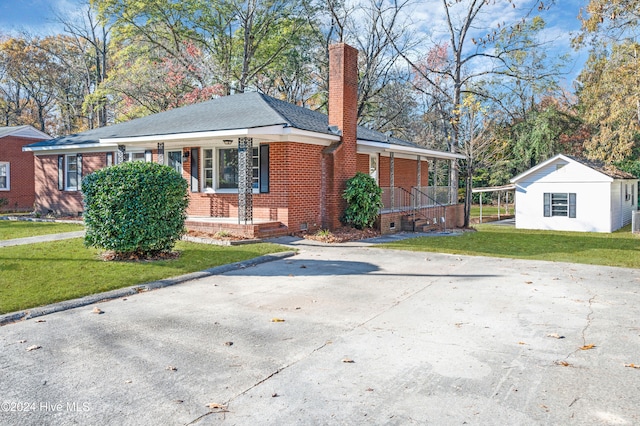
38 274
620 248
10 229
489 210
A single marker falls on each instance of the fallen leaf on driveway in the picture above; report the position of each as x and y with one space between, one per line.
277 320
528 282
555 336
348 360
228 343
41 320
521 343
632 366
171 368
97 310
216 406
587 347
562 363
33 348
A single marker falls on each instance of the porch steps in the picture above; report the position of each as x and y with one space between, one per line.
408 224
255 230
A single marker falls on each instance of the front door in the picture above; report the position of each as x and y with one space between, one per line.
175 160
373 166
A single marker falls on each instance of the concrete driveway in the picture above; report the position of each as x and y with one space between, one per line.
369 336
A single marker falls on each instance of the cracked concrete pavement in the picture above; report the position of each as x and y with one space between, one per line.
434 339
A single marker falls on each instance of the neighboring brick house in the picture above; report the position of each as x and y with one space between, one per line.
255 165
17 192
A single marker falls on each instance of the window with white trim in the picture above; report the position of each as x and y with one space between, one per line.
71 172
135 156
221 171
5 175
560 204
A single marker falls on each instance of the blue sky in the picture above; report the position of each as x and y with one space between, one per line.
36 16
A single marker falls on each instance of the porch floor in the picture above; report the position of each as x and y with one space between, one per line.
260 228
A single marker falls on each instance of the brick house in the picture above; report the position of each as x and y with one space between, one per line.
17 190
257 165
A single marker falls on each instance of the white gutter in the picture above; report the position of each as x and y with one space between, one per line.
286 132
412 150
93 147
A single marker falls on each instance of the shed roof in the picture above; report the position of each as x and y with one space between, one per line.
606 169
599 166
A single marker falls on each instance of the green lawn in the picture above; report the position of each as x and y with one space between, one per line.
10 229
488 210
38 274
620 248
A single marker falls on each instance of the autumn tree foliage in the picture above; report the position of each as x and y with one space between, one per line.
478 65
140 85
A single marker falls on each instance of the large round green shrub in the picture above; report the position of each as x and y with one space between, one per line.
135 208
364 200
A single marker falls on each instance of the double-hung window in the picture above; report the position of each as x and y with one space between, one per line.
220 169
560 204
4 176
71 173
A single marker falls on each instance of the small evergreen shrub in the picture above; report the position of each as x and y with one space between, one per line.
135 208
364 200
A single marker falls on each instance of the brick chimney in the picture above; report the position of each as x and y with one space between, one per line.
343 99
339 162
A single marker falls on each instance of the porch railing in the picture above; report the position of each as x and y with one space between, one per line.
426 204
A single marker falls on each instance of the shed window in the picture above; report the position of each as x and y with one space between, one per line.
560 204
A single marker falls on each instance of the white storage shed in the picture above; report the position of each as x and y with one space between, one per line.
566 193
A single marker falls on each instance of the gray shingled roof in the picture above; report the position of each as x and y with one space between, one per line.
606 169
4 131
241 111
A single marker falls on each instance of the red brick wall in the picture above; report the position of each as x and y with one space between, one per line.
49 197
362 163
21 194
405 172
